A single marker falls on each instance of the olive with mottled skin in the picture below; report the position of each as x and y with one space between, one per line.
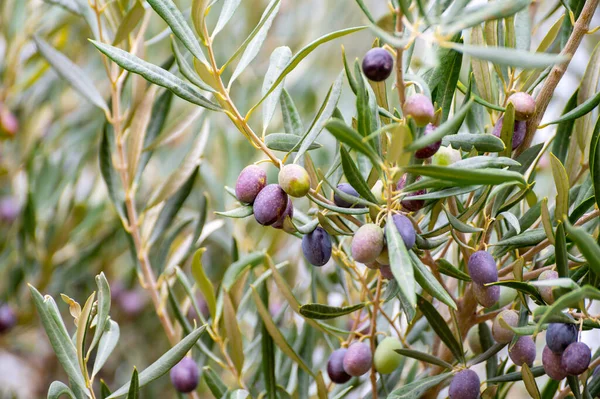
8 318
294 180
519 130
335 367
501 334
358 359
431 149
377 64
411 205
486 296
406 229
270 204
523 351
482 268
386 358
576 358
552 364
524 105
367 243
464 385
250 182
419 107
346 189
546 292
282 223
316 247
560 335
184 375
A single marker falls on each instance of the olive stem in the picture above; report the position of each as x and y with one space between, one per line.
373 336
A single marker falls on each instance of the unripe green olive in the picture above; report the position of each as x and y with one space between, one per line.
294 180
386 359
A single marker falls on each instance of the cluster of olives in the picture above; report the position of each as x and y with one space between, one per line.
524 109
563 355
8 318
184 375
357 359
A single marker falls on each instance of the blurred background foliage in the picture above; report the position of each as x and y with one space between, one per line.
58 227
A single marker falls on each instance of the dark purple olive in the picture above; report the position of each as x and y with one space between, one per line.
482 268
184 375
250 182
432 148
358 359
377 64
408 204
367 243
406 229
464 385
524 105
519 130
316 247
523 351
347 189
560 335
8 318
281 223
576 358
270 204
419 107
335 367
552 364
486 296
386 272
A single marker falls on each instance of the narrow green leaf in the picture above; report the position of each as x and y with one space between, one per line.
417 388
594 160
287 142
236 269
58 389
579 111
172 16
401 264
561 180
521 286
424 357
324 312
267 350
107 344
352 138
83 323
237 213
203 283
448 269
536 371
427 280
164 363
70 72
129 22
354 176
389 37
229 7
510 57
234 335
586 244
279 59
134 386
468 141
467 176
156 75
529 381
186 69
457 224
440 327
214 383
291 118
344 211
546 222
138 128
102 309
486 12
447 87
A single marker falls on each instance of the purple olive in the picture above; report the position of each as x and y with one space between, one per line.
249 183
523 351
281 223
546 292
501 334
184 375
377 64
335 367
358 359
419 107
9 209
524 105
576 358
294 180
9 124
431 149
560 335
482 268
347 189
386 272
519 130
486 296
270 204
406 230
8 318
552 364
464 385
408 204
367 243
316 247
132 302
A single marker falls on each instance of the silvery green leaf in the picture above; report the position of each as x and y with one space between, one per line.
186 69
291 118
279 60
70 72
468 141
389 37
510 57
156 75
129 22
258 37
164 363
401 264
229 7
323 115
169 12
108 342
287 142
490 11
57 389
103 309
